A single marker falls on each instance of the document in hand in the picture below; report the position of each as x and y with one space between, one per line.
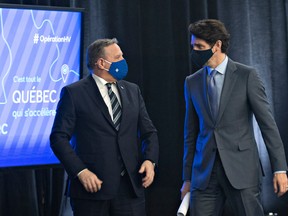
184 206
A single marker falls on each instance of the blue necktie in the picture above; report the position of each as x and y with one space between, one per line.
213 94
116 108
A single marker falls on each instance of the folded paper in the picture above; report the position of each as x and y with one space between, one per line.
184 206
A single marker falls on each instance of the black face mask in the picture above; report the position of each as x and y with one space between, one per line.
199 58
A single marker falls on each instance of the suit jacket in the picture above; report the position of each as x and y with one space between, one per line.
232 134
83 117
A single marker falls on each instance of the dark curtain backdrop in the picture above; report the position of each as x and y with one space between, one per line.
153 36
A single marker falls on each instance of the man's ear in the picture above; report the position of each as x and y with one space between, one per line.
100 63
218 45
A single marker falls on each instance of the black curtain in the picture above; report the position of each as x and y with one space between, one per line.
154 38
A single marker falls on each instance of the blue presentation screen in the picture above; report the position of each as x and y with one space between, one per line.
39 54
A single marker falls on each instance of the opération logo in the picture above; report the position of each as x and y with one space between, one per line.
49 39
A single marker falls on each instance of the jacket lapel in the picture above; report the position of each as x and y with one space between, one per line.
122 89
229 82
205 93
95 95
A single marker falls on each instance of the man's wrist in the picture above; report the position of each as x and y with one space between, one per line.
153 163
81 172
280 172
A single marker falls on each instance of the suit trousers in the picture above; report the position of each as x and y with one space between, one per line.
210 201
124 204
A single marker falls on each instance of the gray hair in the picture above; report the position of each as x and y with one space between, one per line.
96 50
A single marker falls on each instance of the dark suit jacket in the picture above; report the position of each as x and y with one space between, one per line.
83 117
232 134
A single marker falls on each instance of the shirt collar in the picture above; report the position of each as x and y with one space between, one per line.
100 81
221 68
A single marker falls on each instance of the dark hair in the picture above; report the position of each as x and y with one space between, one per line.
211 30
96 50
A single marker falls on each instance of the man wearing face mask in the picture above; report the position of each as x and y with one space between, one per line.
114 145
221 161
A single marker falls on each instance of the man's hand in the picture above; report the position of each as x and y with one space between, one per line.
147 167
185 188
280 183
90 181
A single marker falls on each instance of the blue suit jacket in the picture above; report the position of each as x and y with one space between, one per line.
83 118
232 133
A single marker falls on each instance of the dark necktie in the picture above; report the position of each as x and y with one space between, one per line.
213 94
116 108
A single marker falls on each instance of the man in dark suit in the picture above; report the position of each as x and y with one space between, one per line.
221 160
106 121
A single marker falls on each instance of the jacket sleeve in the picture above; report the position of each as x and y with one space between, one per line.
147 133
263 114
62 131
191 129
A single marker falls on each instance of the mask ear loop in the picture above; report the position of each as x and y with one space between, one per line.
107 61
102 67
